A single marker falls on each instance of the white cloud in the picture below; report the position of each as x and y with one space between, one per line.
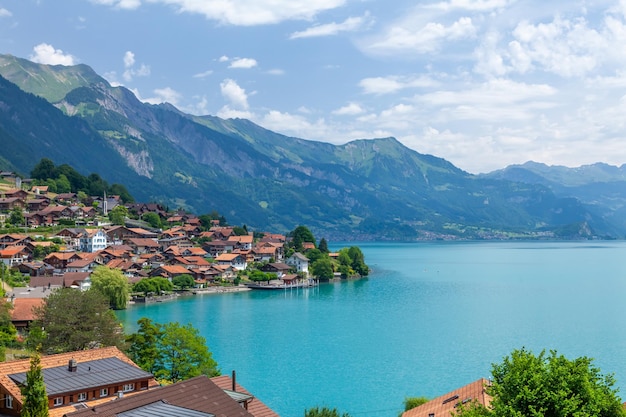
241 12
243 63
351 24
129 59
566 48
350 109
276 71
130 71
223 58
227 113
234 93
393 84
46 54
203 74
299 126
5 13
161 95
475 5
425 39
120 4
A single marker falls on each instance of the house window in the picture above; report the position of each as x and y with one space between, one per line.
128 387
104 392
82 396
8 401
58 401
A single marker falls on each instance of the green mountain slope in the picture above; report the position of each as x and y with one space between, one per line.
363 189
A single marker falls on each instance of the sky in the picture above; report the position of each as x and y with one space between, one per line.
481 83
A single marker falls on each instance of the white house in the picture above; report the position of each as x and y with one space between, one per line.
299 261
93 240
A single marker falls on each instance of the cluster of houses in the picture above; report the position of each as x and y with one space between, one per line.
141 253
105 382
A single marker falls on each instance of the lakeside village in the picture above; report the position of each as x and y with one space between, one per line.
54 242
63 353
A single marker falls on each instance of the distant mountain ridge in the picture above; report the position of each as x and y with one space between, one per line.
600 187
365 189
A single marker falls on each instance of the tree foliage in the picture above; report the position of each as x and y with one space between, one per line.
65 178
324 412
172 352
259 276
8 333
113 284
322 268
72 320
412 402
153 219
35 399
156 285
323 246
118 215
183 281
548 384
300 235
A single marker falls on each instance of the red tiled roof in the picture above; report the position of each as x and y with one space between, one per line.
444 405
23 308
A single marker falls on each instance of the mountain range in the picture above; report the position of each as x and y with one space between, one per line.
364 189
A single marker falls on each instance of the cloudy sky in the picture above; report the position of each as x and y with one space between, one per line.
481 83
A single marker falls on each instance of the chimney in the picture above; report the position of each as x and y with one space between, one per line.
234 379
72 365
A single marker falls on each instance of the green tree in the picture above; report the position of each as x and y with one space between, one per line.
8 333
171 352
16 217
113 284
74 320
96 185
322 268
315 254
35 399
358 261
43 170
118 215
531 385
183 281
324 412
240 230
143 346
300 235
153 219
52 185
63 184
323 246
412 402
82 196
119 189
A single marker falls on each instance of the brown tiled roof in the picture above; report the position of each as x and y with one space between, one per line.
144 242
199 393
71 278
23 308
61 255
11 251
52 361
255 407
443 406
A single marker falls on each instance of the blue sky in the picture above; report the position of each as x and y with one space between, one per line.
481 83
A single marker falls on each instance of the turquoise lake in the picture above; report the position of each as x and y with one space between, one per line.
430 318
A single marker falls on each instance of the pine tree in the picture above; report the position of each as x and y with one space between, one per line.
34 391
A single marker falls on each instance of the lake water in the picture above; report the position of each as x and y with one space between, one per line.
430 318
